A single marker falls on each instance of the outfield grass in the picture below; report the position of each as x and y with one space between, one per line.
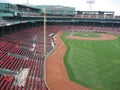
83 34
94 64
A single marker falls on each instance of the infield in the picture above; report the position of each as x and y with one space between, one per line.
83 34
94 64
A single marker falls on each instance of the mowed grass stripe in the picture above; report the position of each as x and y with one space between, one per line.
83 34
94 64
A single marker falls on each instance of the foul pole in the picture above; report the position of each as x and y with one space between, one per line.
45 53
45 33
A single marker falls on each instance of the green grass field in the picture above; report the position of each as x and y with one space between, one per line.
85 34
94 64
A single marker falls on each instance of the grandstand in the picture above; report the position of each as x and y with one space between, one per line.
22 42
28 11
95 14
57 10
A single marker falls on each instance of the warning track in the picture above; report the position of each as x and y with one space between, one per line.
56 75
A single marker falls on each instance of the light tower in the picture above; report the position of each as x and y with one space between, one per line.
27 2
90 2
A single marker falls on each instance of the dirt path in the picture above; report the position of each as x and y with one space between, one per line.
102 37
56 75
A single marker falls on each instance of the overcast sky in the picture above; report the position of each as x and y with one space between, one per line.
99 5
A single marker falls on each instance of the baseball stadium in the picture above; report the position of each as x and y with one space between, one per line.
53 47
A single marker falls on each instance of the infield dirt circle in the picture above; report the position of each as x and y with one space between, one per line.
56 74
102 37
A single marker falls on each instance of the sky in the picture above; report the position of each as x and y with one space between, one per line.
99 5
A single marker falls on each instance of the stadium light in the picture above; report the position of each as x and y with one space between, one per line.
90 2
27 2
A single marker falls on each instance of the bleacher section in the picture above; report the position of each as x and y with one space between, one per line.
96 29
15 55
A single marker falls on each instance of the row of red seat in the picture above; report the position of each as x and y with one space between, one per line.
12 63
6 82
13 48
92 29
